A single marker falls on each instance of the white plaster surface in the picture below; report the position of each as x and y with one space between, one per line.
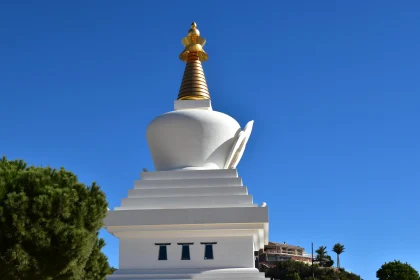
215 215
197 273
215 188
228 252
187 202
192 104
189 174
191 138
191 207
183 192
186 183
238 147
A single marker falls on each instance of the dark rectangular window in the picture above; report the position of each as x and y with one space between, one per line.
185 252
163 253
208 252
185 255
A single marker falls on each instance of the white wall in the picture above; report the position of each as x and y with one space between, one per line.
229 252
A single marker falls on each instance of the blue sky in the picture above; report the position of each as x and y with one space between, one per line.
333 87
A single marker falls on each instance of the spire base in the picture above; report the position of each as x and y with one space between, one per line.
203 104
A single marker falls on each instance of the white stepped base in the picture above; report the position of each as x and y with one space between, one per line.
190 207
220 188
177 192
196 174
227 273
186 201
187 183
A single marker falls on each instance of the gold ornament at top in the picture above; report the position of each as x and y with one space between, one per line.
194 85
193 43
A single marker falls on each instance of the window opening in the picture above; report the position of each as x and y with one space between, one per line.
185 254
208 250
163 251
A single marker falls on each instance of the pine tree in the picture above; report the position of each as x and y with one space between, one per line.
48 225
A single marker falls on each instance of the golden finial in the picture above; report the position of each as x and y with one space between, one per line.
193 31
193 43
194 85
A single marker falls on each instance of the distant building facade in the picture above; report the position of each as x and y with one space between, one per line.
275 252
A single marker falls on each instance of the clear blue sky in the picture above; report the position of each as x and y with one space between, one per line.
333 87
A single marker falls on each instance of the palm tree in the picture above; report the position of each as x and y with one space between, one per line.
338 249
321 253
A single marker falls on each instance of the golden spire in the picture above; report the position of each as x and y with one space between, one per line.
194 85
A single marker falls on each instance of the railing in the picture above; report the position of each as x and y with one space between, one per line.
305 255
281 252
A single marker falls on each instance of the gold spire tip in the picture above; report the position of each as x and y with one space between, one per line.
194 85
193 43
193 31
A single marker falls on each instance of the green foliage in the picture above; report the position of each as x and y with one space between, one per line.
397 270
323 258
321 252
338 249
288 269
97 266
294 276
48 225
328 262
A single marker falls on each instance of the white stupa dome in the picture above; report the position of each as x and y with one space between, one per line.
191 139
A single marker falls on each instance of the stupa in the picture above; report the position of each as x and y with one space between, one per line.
192 218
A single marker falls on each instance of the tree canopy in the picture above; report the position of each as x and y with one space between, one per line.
338 249
294 276
321 252
49 224
397 270
323 258
291 270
